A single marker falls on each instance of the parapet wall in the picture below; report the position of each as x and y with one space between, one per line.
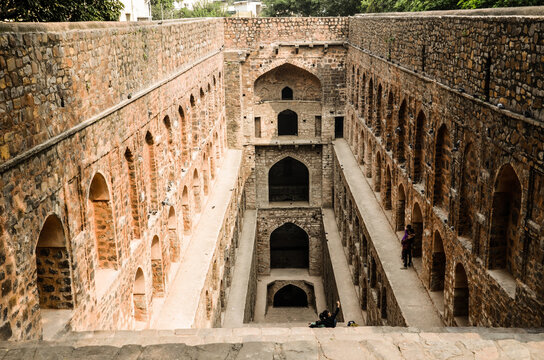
494 58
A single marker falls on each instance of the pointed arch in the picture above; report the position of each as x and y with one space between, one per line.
133 194
442 168
184 136
504 244
290 296
469 179
53 264
378 175
102 214
289 247
287 93
461 296
438 267
401 132
139 298
186 210
196 191
418 148
378 125
157 269
173 235
288 180
287 123
388 186
370 102
302 82
401 208
152 171
389 122
417 225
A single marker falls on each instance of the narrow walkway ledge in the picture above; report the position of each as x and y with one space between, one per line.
412 297
346 290
236 302
181 303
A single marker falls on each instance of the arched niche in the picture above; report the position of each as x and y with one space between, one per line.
287 93
139 297
290 296
157 267
102 214
289 247
461 296
53 267
288 180
269 86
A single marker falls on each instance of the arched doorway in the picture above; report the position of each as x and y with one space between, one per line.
106 248
468 184
287 123
139 298
400 131
289 247
157 267
401 208
288 180
378 127
505 216
151 170
290 296
53 267
461 296
417 226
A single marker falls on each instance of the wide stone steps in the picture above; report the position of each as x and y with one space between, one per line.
284 343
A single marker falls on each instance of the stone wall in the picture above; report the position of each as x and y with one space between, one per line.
495 59
308 219
448 159
91 128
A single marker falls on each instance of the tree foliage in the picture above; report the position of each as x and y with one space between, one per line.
60 10
370 6
311 7
165 9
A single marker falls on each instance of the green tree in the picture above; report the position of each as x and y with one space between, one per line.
311 7
162 9
60 10
477 4
203 8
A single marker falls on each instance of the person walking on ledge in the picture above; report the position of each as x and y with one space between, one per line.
406 244
326 319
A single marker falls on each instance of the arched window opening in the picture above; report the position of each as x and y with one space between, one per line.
196 191
461 297
157 267
370 102
106 248
418 148
438 268
378 176
384 303
287 93
133 194
389 122
290 296
287 123
388 186
289 247
53 267
168 126
378 128
442 168
139 297
400 131
184 137
186 210
288 180
504 243
468 185
401 208
417 226
173 235
152 171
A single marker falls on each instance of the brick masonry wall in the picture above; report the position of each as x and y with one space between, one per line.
461 51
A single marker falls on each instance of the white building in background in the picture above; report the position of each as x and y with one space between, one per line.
246 8
136 10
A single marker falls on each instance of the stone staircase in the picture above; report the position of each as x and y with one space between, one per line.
283 343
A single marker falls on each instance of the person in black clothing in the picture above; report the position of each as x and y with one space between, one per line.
326 319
